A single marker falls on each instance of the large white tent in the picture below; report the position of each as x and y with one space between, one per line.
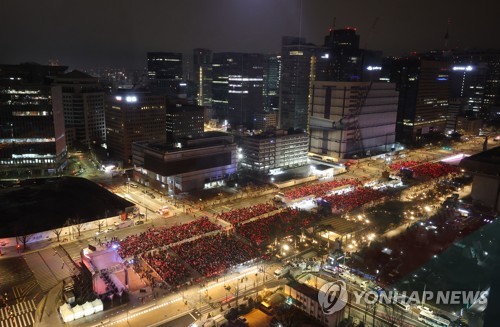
66 313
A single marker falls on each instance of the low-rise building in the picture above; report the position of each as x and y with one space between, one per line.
196 163
265 120
271 150
485 167
305 297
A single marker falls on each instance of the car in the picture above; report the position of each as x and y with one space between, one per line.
139 222
108 230
141 215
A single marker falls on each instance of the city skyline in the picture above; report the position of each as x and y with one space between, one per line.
91 33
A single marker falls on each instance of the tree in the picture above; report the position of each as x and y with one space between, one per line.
100 224
78 224
58 232
24 239
287 317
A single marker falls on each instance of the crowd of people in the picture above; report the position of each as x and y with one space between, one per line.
433 170
403 164
320 189
154 238
238 215
170 268
213 254
263 231
345 202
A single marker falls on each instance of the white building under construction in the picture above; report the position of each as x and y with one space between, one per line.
352 119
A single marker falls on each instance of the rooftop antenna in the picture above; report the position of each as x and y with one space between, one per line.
447 35
332 28
300 23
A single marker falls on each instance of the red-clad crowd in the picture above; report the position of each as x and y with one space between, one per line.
263 231
238 215
349 201
211 255
155 238
168 267
403 164
433 170
319 190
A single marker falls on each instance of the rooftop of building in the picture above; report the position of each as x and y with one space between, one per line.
206 139
76 74
45 204
486 162
277 133
304 289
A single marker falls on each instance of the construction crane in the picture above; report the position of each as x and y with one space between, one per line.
372 28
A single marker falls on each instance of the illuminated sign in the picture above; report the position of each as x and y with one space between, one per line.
296 53
462 68
131 99
374 68
325 56
118 98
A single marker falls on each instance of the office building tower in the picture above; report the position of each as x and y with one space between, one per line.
271 83
165 72
202 75
297 73
481 74
352 119
184 120
83 105
347 61
132 116
468 82
237 86
424 89
32 140
275 149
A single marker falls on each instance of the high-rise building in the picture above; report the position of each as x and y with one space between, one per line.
347 61
237 86
297 72
133 116
184 121
202 74
350 119
271 83
32 140
83 105
165 72
480 74
424 90
468 82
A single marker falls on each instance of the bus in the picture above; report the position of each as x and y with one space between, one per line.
402 304
431 320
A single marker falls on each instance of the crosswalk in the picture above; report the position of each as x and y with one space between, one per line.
21 314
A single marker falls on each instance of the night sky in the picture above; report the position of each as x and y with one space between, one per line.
118 33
